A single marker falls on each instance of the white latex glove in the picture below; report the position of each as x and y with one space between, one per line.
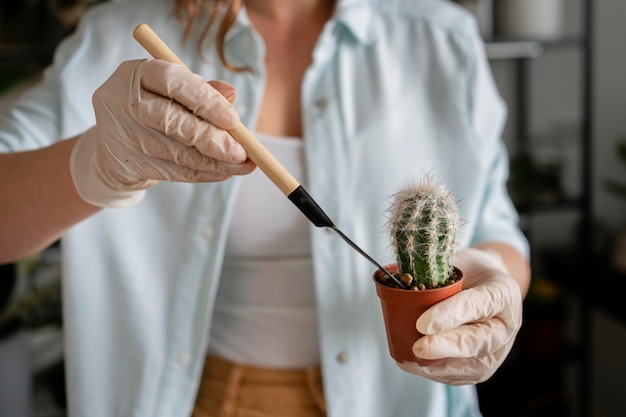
470 334
156 121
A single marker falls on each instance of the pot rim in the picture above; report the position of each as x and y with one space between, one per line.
394 267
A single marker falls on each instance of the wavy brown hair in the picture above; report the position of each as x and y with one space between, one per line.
207 13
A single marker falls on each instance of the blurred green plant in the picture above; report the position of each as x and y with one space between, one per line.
39 304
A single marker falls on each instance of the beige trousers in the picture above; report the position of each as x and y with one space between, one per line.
228 389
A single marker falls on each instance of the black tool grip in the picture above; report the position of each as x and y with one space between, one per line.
309 207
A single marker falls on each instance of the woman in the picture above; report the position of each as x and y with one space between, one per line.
193 287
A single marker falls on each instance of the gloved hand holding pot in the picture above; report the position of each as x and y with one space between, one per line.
457 316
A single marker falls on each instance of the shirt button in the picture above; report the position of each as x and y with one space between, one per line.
321 103
184 358
208 232
342 357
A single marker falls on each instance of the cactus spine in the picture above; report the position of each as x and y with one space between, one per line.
424 226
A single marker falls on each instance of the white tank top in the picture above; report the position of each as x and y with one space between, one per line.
265 313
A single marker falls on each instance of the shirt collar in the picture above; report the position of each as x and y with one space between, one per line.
355 15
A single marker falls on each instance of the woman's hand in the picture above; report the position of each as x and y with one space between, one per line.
156 121
469 335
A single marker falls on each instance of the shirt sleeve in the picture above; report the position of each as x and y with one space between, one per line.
498 219
58 105
32 120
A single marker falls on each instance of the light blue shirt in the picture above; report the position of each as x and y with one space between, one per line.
397 89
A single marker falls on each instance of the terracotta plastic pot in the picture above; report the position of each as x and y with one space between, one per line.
401 309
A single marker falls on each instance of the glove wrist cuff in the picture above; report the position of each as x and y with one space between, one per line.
89 181
471 260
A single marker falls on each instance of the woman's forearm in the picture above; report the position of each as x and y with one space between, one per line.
518 266
39 201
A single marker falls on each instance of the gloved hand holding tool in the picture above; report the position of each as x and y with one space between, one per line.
270 166
156 121
470 334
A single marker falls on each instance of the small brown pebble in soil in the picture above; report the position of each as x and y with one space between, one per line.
421 287
406 279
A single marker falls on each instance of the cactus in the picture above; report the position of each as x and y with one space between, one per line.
424 225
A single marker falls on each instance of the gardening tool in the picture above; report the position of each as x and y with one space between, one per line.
287 184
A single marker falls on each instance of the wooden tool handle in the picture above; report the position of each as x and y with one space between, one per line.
255 149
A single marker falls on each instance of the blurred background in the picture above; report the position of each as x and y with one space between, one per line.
559 65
